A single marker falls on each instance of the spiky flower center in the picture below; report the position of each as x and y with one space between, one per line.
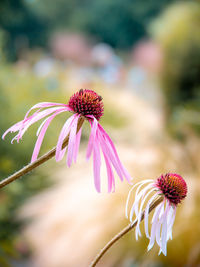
87 102
173 186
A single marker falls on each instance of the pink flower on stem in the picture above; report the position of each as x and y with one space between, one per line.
84 104
173 188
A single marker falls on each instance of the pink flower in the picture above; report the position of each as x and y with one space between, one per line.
173 188
88 105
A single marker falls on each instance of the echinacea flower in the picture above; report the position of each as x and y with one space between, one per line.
172 188
84 104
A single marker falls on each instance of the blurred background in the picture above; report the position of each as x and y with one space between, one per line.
143 58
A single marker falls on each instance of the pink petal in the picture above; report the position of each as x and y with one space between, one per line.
63 134
126 174
92 138
13 128
41 135
41 125
96 166
106 150
72 140
111 180
77 144
45 105
23 125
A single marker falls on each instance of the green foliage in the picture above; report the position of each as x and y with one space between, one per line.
21 25
121 23
117 22
177 30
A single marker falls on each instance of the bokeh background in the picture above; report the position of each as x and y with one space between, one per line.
143 58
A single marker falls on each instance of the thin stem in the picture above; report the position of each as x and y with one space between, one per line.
38 162
121 234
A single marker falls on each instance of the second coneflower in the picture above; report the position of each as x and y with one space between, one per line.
171 188
84 104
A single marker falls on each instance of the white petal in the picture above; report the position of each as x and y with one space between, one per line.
146 214
160 221
129 194
164 231
171 222
138 197
140 211
161 212
154 225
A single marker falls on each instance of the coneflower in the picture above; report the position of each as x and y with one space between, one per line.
173 188
85 104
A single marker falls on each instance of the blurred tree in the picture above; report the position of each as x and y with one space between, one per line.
22 26
117 22
122 23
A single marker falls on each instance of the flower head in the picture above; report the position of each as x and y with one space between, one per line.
87 105
87 102
172 189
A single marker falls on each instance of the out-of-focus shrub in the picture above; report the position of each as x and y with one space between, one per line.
177 31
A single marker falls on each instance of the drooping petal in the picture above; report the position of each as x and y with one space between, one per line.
129 194
77 144
158 235
92 137
111 180
139 217
41 126
106 150
137 199
107 137
164 230
146 214
171 222
30 120
63 134
22 126
19 126
72 140
105 145
158 228
154 225
42 133
45 105
13 128
97 165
